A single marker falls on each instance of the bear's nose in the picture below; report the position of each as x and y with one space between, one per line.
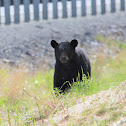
63 57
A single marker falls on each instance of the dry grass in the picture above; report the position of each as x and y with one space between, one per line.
15 84
11 82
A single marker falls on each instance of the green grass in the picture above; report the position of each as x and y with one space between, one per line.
26 98
111 43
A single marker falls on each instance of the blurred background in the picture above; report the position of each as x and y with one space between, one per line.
38 22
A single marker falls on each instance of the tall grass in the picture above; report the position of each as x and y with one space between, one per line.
26 98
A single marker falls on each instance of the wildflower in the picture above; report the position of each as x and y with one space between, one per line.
36 82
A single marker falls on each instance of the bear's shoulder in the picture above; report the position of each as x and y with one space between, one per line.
81 56
80 53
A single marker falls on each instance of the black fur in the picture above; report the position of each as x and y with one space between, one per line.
69 61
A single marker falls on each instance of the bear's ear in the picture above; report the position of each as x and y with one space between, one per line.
54 44
74 43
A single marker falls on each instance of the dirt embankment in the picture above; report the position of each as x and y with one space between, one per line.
29 43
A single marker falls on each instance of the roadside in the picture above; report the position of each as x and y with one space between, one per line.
33 93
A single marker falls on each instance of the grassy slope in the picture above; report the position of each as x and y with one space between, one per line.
26 98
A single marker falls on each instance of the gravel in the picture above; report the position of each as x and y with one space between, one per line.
29 43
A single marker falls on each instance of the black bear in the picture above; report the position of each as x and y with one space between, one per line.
70 61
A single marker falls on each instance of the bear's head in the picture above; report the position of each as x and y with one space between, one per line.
64 51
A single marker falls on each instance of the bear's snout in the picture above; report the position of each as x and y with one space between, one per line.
64 58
